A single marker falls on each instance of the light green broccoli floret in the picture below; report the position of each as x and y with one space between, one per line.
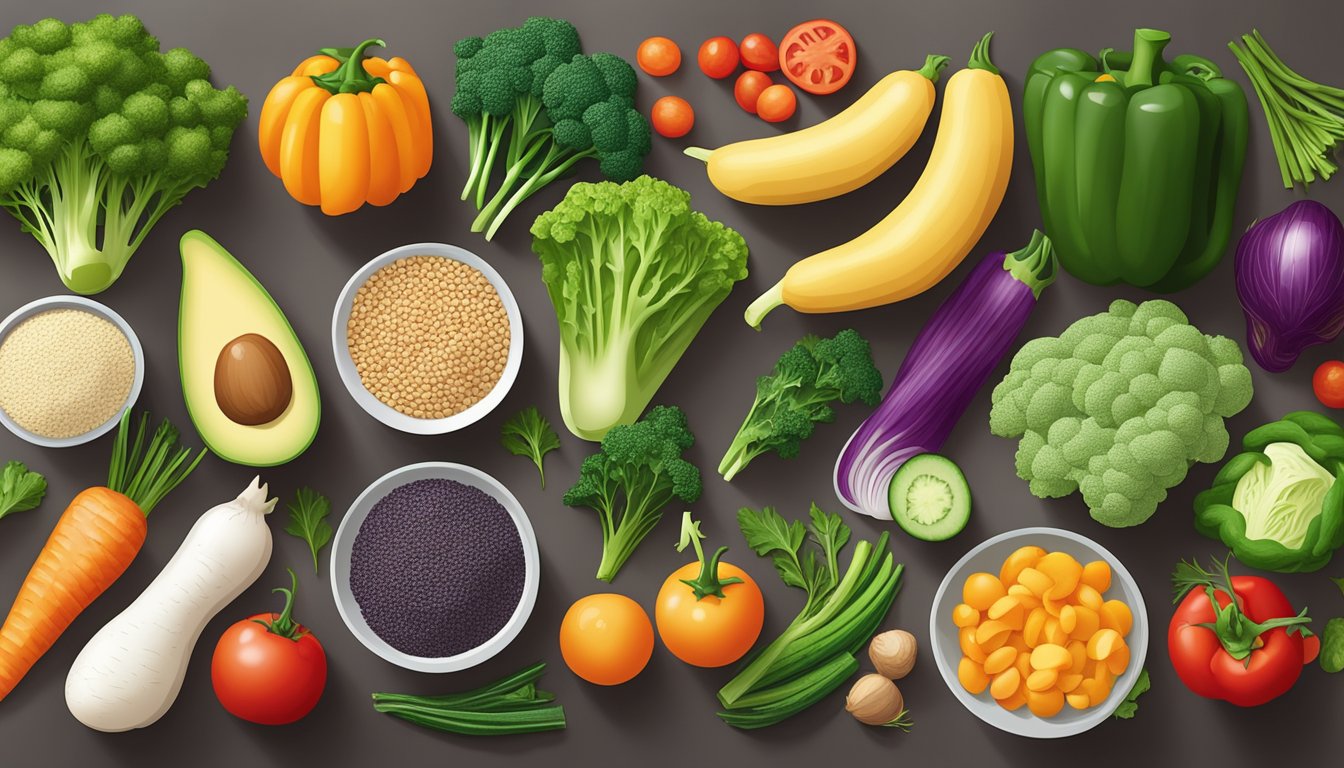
1119 406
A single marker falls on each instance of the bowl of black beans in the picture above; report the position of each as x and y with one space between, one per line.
435 567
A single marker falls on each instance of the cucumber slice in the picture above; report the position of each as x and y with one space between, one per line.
929 498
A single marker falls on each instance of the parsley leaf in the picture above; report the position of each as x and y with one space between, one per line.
308 520
1130 706
20 489
831 534
528 433
767 533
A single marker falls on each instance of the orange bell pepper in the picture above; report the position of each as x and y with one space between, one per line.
343 130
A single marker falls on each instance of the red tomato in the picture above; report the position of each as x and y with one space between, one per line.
712 631
818 56
718 57
672 116
759 52
658 56
270 673
1328 383
747 90
776 104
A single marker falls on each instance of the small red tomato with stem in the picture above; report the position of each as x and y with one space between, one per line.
672 117
718 57
268 668
776 103
658 56
759 52
747 90
1328 384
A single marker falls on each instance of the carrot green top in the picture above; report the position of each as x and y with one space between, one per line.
146 476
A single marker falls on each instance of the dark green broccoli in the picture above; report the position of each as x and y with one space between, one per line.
638 471
101 131
809 377
531 91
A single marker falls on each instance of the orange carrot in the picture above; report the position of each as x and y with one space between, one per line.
93 543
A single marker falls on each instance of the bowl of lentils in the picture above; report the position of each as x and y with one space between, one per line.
435 567
69 366
428 338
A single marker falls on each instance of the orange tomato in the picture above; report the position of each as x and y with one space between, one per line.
759 52
658 56
1328 384
718 57
776 104
747 90
672 117
712 631
606 639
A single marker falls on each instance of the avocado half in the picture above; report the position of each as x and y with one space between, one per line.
222 301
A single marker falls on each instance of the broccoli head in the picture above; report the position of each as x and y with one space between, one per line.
1119 406
100 134
807 379
633 274
638 471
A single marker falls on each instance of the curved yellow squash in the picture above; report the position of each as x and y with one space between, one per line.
937 224
835 156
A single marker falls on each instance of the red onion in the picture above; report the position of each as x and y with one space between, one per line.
1290 279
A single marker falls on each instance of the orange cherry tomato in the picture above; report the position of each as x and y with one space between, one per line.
672 117
658 56
776 104
818 56
747 90
759 52
1328 384
712 631
718 57
606 639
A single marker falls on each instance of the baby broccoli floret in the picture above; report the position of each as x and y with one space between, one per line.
807 379
101 134
1119 406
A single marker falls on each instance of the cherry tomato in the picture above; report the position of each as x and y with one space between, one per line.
747 89
1328 383
606 639
658 56
776 104
718 57
759 52
818 56
712 631
269 669
672 116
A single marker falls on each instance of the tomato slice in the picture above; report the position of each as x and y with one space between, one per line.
818 56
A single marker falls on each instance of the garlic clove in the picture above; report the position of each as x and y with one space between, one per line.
875 700
893 653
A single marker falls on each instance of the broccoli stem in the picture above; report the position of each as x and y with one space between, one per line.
740 452
555 164
639 519
476 133
494 137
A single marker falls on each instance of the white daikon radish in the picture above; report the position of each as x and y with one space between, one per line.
131 671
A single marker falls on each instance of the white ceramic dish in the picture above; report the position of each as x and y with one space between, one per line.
988 557
344 542
388 415
101 310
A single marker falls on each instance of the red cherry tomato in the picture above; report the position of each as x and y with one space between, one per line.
747 90
1328 383
818 56
658 56
718 57
269 669
672 117
776 104
759 52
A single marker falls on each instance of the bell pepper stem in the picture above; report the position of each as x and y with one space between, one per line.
708 582
351 76
980 56
1147 63
933 64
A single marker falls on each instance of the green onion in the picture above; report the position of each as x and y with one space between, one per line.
508 706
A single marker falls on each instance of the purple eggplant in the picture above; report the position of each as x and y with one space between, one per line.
958 348
1290 279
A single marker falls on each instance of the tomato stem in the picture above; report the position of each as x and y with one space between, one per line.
708 582
283 624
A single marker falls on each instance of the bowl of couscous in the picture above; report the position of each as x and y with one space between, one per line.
69 366
428 338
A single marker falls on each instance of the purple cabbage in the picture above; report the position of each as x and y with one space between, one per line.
958 348
1290 279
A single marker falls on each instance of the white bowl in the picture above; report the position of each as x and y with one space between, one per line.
989 557
343 544
385 413
101 310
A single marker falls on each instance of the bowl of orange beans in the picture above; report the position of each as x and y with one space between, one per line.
1040 632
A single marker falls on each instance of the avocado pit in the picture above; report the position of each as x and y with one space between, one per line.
253 385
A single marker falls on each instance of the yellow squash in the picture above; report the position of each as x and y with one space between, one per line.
937 224
835 156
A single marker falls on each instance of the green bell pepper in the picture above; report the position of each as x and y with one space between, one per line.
1279 506
1137 161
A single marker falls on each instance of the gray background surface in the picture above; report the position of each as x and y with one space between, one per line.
666 716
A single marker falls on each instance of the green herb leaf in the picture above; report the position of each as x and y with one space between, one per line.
1338 582
1130 706
528 433
831 534
20 489
768 534
308 520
